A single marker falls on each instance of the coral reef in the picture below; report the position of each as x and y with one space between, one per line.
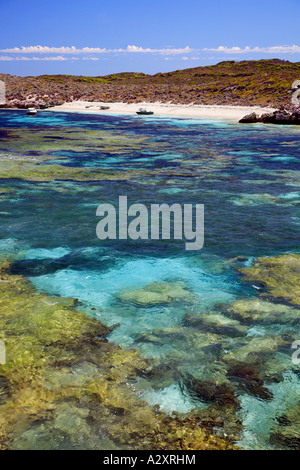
40 155
64 386
35 155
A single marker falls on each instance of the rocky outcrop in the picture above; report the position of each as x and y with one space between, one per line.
250 118
295 90
280 116
33 102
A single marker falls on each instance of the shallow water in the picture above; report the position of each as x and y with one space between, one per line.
247 177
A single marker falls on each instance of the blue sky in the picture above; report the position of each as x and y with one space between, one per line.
98 37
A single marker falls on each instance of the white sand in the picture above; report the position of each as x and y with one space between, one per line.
234 113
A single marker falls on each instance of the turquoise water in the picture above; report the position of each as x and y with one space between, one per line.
247 177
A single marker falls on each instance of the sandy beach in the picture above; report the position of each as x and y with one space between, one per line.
234 113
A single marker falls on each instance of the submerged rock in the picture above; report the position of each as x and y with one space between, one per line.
221 420
273 368
218 323
263 311
161 376
221 394
156 293
64 386
248 377
237 261
252 350
280 275
189 337
286 430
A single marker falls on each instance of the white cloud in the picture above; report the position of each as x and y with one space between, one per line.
53 58
94 50
43 58
247 49
35 58
190 58
166 51
53 50
282 49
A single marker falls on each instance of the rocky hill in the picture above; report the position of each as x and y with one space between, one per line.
245 83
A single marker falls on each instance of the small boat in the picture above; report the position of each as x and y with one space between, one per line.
144 111
104 107
31 111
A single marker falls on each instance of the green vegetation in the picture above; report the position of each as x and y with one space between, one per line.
261 82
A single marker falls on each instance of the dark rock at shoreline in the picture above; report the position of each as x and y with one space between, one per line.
249 118
295 118
280 116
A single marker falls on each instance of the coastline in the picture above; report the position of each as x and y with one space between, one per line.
165 109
